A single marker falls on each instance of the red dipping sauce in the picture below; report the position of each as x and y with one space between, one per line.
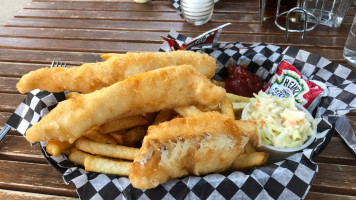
242 82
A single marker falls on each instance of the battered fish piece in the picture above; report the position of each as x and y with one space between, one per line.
93 76
148 92
194 145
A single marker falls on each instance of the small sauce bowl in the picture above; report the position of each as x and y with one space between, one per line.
278 154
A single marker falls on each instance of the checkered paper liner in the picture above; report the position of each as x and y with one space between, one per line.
288 179
36 105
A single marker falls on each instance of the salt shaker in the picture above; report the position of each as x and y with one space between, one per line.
197 12
350 45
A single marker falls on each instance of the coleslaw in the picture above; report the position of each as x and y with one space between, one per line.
279 122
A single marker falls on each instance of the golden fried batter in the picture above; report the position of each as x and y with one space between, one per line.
155 90
198 144
93 76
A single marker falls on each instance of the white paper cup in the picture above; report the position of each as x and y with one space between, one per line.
278 154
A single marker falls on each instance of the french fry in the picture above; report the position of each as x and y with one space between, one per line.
238 107
119 138
135 135
187 111
107 56
107 150
226 108
162 116
249 148
56 147
208 108
72 95
130 137
150 117
123 123
218 83
106 166
95 135
236 98
67 151
247 161
76 156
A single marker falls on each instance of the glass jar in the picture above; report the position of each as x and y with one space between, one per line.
197 12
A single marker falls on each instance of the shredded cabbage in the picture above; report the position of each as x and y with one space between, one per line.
279 122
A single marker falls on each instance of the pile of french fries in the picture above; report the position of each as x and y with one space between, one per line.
111 147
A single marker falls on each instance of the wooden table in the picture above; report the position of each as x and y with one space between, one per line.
79 31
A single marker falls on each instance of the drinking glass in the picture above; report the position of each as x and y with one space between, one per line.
350 45
330 12
268 8
197 12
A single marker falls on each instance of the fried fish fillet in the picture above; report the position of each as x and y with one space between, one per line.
194 145
93 76
148 92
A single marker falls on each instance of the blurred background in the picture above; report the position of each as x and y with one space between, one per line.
8 8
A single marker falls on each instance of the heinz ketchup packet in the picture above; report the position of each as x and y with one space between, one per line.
288 81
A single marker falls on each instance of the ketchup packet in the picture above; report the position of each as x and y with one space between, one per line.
288 81
205 38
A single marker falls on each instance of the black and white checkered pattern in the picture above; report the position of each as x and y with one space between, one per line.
288 179
260 59
36 105
339 80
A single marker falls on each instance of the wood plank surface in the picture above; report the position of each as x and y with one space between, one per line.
162 6
130 16
16 195
156 26
13 69
328 196
78 31
337 152
10 101
8 85
75 45
33 177
328 175
17 148
46 57
154 37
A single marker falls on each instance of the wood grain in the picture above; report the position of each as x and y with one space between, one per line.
13 69
75 45
10 101
319 195
162 6
337 152
46 57
7 85
329 175
17 148
16 195
245 27
33 177
154 37
131 16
